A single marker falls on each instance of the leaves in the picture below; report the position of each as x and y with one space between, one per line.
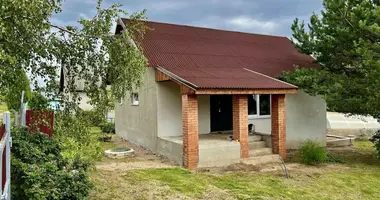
345 40
90 53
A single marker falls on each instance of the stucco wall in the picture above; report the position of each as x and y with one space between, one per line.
138 124
172 150
262 125
204 114
305 119
169 111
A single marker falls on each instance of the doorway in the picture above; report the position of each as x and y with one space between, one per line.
221 112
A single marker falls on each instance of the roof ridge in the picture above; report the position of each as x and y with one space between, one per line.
207 28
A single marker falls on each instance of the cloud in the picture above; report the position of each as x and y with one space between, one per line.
256 16
164 6
248 23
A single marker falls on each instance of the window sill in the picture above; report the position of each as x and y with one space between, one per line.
258 116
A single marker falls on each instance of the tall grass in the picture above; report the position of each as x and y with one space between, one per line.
312 153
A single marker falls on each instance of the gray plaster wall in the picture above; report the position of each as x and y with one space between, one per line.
204 114
305 119
219 155
169 110
138 124
171 150
261 124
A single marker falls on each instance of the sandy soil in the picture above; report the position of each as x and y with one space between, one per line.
143 159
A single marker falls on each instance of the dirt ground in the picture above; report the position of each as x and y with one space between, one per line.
143 159
117 179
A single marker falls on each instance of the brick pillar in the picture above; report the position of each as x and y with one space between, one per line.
190 130
278 125
240 122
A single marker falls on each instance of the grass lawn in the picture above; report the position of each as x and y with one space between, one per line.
358 177
3 107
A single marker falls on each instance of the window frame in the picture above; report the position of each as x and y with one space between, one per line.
258 116
133 101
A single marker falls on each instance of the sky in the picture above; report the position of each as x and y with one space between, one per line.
273 17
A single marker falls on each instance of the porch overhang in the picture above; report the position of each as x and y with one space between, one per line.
190 88
246 91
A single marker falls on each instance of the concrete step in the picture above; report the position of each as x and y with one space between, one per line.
256 145
262 160
260 152
253 138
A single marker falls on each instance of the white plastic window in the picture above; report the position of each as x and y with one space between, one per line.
134 99
259 105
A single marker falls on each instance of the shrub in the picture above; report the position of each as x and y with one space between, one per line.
376 141
92 117
13 96
38 102
39 171
107 127
105 137
78 142
312 153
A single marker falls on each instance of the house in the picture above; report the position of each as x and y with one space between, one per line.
204 85
79 87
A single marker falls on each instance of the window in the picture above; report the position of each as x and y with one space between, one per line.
252 105
264 104
134 99
259 105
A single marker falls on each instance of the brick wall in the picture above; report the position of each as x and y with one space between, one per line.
190 130
279 125
240 122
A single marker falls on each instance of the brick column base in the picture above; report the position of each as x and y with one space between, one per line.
190 131
278 125
240 122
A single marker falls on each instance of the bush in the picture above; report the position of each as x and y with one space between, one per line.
376 141
13 96
312 153
39 171
78 142
38 102
107 127
92 117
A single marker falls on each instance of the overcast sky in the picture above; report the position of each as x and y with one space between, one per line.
255 16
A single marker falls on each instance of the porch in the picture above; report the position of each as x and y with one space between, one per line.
215 149
184 104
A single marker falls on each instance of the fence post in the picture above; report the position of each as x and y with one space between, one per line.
8 140
16 119
23 115
22 109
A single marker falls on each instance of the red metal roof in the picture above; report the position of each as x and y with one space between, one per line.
209 58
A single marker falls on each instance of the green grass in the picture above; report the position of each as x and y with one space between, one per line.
178 179
3 107
331 185
358 177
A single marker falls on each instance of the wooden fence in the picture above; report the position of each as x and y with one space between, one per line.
42 121
5 159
